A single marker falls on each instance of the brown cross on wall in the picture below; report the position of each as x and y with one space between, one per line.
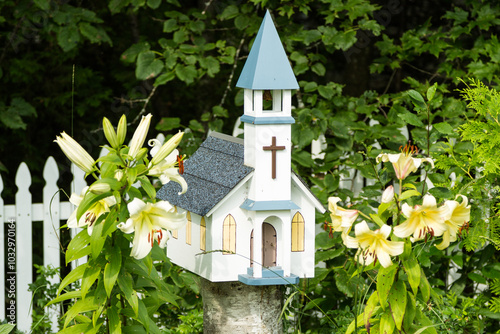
273 148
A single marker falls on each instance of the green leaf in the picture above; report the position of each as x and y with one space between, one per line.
386 323
417 99
68 295
96 239
154 4
410 312
409 193
425 287
126 284
411 119
376 218
385 280
444 128
76 245
186 73
115 324
42 4
90 275
68 37
371 306
88 201
147 186
112 269
431 92
477 278
412 269
220 111
6 328
397 302
164 78
168 123
130 55
147 66
196 126
441 192
328 254
93 34
81 306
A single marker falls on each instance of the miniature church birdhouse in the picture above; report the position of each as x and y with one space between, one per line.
250 217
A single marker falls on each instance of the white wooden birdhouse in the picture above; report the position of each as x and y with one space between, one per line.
250 217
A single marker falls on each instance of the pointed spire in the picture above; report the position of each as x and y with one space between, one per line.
267 65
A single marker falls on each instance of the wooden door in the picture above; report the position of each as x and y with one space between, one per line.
268 245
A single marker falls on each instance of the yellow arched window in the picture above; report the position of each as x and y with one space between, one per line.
298 233
188 228
203 234
229 235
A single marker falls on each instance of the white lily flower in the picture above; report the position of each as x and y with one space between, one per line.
75 152
373 245
423 219
92 214
459 215
403 162
167 169
139 136
342 219
150 222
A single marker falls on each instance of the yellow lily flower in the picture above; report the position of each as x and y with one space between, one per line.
373 245
388 195
459 215
92 214
342 219
139 136
150 222
75 153
423 220
404 163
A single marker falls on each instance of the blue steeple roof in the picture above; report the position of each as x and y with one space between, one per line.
267 65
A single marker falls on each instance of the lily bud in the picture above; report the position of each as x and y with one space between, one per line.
99 188
121 130
388 194
109 133
75 153
118 174
139 136
167 148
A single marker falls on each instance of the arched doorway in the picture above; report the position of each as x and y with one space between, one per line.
268 245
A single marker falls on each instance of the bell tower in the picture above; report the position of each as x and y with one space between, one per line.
267 79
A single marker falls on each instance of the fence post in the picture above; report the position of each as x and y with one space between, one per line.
51 225
24 258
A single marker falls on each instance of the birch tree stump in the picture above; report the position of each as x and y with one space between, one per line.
234 307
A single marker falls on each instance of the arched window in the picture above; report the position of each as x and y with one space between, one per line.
298 233
229 235
203 234
188 228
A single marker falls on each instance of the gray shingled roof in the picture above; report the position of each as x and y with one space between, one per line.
211 173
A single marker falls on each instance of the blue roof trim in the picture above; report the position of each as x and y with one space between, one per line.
267 120
267 65
251 205
271 276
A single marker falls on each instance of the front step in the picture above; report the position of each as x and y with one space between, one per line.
270 276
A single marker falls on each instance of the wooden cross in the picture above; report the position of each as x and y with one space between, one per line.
273 148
